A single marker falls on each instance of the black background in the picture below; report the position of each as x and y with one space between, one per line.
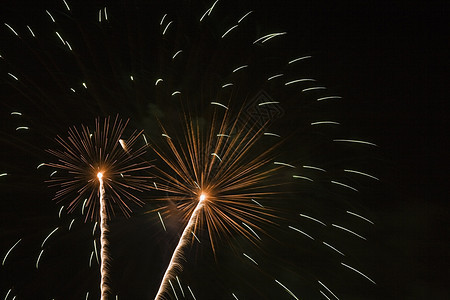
389 60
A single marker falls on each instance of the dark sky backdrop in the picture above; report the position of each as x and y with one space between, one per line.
389 60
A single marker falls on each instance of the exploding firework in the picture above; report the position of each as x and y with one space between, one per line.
104 156
245 91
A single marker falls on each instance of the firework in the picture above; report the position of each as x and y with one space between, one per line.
216 177
103 155
246 90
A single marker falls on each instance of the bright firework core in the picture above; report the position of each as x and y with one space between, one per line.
202 196
99 175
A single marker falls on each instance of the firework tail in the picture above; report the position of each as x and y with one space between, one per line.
103 241
177 255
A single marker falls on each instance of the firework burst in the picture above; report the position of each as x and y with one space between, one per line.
104 156
217 176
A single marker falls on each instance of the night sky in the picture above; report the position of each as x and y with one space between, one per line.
388 61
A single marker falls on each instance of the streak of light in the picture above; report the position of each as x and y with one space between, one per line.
71 223
275 76
361 173
13 76
328 245
73 90
94 227
219 104
90 259
216 155
87 295
9 251
22 128
222 134
7 294
235 297
176 53
3 174
348 230
83 206
156 187
298 230
16 113
325 122
359 272
176 93
104 255
177 255
123 144
95 250
162 222
314 168
302 177
60 37
84 85
270 36
287 290
323 294
39 258
299 59
359 216
227 85
145 139
328 98
99 15
31 31
193 233
158 81
208 11
48 236
48 13
314 88
344 185
165 135
314 219
228 31
355 141
173 289
181 288
240 68
106 14
189 288
131 78
259 204
272 134
245 16
162 20
53 173
283 164
327 289
167 27
60 211
251 229
268 102
12 29
67 5
40 165
250 258
300 80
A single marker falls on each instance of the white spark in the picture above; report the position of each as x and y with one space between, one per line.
48 236
355 141
287 290
329 97
162 222
348 230
298 230
328 245
359 272
9 251
359 216
314 219
299 59
344 185
361 173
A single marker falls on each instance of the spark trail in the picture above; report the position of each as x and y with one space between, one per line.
177 255
104 257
